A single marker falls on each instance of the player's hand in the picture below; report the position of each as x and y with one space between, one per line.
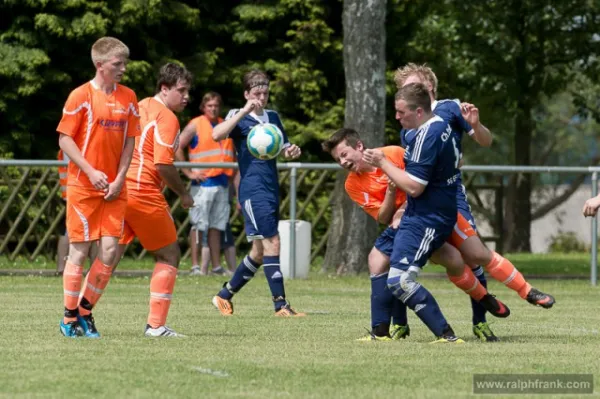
373 157
470 113
238 206
251 105
292 152
113 190
397 218
590 208
98 179
187 201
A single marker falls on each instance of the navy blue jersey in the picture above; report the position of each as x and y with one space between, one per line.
449 110
431 159
259 178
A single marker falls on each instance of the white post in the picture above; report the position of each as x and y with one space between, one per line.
293 222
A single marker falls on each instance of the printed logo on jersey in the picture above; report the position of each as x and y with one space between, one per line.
111 124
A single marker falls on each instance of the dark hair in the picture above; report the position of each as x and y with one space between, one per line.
211 95
350 135
416 96
255 78
170 74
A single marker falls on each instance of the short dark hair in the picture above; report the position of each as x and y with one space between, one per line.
350 135
255 78
416 96
211 95
172 73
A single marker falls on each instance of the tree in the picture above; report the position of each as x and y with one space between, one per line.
509 54
352 231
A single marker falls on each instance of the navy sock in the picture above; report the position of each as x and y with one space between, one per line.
275 280
399 312
478 309
381 301
244 273
428 310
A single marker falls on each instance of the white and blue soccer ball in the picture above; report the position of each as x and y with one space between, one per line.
265 141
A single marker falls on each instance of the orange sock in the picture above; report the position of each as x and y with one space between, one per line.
161 291
95 282
469 284
71 288
504 271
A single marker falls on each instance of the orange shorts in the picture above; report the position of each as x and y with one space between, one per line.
462 231
90 216
149 218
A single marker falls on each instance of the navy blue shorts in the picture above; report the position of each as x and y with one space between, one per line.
226 238
385 241
417 238
261 218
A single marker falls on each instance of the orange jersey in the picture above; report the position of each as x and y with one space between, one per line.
99 123
368 189
156 145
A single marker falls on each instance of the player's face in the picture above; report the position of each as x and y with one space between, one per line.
176 98
113 70
349 158
260 93
408 118
212 109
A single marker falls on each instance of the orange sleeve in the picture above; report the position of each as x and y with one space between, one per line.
166 138
74 111
395 154
368 203
133 124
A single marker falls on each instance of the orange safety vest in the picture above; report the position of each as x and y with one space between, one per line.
62 174
209 150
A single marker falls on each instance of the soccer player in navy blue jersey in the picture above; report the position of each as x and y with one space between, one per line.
431 164
464 119
258 194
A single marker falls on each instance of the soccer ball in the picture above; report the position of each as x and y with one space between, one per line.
265 141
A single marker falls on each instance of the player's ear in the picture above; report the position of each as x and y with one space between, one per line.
246 94
360 145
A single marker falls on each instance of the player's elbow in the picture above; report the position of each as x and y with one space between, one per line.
486 141
415 190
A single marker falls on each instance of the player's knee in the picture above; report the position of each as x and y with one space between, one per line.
402 283
378 262
170 255
271 246
476 253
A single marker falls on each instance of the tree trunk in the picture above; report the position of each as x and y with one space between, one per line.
520 240
353 232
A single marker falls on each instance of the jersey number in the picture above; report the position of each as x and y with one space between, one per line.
456 153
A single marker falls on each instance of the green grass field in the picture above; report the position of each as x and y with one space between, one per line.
255 355
573 264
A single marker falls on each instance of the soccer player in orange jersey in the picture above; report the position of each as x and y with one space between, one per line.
148 215
372 190
97 132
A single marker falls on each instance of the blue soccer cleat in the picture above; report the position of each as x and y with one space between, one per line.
88 326
71 330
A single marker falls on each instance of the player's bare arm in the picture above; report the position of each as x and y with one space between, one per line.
170 176
222 130
590 208
481 134
97 177
388 206
400 178
114 187
398 216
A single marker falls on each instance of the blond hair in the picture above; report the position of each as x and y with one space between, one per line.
107 47
422 71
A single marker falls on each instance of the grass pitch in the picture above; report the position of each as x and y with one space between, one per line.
255 355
